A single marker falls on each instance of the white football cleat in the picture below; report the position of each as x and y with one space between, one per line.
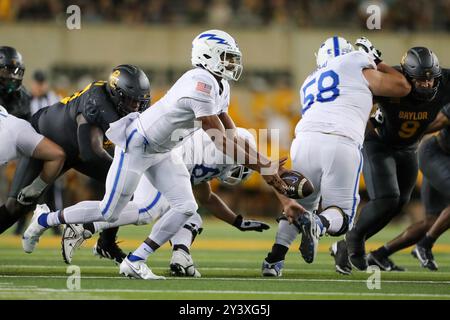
310 227
138 270
182 265
31 236
72 238
272 269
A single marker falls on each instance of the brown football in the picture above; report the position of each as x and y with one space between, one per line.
299 186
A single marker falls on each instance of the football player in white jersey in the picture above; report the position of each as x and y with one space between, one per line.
204 163
18 138
198 100
336 103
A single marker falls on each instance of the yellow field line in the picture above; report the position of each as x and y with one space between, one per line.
54 242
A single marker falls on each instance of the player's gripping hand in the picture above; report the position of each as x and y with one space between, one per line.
250 225
365 45
27 196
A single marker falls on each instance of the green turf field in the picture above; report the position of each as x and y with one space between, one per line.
229 261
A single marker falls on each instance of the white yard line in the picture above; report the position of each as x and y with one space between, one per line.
238 279
368 294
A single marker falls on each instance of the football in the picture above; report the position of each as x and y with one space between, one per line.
299 186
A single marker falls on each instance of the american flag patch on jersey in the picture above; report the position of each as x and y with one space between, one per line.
203 87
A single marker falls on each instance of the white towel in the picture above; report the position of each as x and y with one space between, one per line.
117 130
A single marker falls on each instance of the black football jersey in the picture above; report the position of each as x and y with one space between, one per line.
58 121
404 120
18 103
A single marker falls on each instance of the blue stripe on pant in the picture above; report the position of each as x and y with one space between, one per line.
355 189
119 169
116 181
151 205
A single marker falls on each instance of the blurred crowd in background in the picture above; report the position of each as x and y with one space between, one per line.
270 101
405 15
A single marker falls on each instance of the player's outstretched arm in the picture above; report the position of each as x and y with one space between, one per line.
255 161
214 204
438 123
53 157
387 82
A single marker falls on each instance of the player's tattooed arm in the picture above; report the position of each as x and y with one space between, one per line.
90 142
438 123
215 205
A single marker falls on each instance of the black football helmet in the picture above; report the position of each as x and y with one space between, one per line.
12 70
129 89
421 63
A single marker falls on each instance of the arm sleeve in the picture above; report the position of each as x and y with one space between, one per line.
27 138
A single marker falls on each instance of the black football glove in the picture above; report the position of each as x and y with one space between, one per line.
365 45
250 225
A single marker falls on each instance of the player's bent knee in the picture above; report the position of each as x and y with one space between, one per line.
196 220
387 204
188 208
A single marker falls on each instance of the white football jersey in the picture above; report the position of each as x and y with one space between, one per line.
336 98
17 137
203 160
170 120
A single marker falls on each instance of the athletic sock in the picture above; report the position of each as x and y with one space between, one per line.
426 242
383 251
278 253
52 219
142 252
90 227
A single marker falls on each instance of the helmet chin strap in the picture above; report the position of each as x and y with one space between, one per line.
426 94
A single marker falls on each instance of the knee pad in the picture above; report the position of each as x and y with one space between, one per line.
345 223
188 208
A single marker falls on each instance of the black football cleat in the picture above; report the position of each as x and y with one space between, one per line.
338 251
383 262
109 250
425 256
356 251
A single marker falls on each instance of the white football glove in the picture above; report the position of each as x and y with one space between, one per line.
250 225
365 45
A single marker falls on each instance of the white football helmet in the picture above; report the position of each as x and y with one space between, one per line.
217 52
3 110
239 173
331 48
